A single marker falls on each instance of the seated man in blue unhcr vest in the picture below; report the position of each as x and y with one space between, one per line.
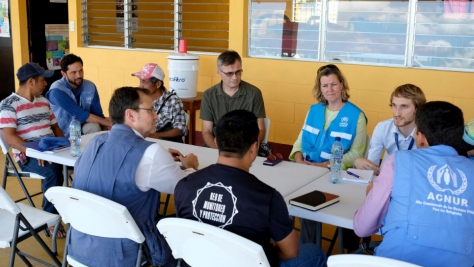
72 95
422 201
262 213
122 166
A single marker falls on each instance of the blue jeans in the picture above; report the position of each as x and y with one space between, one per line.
308 255
53 176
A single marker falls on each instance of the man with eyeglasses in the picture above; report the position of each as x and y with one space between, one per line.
124 167
171 122
73 95
230 94
396 133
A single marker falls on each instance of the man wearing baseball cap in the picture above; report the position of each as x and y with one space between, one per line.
26 116
72 95
171 122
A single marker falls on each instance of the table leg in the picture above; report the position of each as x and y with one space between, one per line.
319 230
65 183
340 245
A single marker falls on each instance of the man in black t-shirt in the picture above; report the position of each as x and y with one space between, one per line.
226 195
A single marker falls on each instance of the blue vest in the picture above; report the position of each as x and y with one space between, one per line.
430 218
87 96
107 168
317 143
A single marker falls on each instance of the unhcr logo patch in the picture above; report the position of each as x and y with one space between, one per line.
344 122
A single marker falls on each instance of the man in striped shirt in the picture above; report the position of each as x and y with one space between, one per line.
26 116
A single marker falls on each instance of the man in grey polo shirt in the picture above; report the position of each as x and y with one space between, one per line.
230 94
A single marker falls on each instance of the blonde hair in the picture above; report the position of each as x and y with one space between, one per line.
409 91
326 71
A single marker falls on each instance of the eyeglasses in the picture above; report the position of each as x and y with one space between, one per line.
231 74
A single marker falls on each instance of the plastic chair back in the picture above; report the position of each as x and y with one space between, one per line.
18 223
7 203
3 144
10 169
201 244
93 214
357 260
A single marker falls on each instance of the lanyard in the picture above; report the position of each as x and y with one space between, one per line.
409 146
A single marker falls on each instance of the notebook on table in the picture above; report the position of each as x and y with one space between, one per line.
315 200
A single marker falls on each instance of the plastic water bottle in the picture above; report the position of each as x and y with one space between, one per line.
75 137
337 152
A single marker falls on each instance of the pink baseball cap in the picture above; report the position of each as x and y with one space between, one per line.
150 70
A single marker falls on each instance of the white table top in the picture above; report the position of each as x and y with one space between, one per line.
286 177
352 196
183 148
61 157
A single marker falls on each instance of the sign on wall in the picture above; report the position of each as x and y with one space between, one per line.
57 44
4 19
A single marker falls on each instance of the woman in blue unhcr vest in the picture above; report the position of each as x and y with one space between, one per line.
332 116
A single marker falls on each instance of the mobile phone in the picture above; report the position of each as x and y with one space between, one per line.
23 158
272 162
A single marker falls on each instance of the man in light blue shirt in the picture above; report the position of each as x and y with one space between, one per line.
395 133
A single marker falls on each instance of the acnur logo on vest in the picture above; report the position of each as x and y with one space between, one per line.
447 180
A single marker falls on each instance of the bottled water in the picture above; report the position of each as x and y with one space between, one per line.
75 137
337 152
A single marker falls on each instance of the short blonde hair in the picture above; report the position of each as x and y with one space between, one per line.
326 71
409 91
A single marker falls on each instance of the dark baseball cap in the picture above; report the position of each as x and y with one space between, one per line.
31 70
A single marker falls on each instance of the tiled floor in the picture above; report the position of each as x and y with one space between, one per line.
31 246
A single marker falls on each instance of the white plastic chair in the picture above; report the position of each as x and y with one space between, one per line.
10 169
201 244
267 129
358 260
94 215
18 222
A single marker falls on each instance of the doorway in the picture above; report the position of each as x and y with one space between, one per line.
7 78
52 13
